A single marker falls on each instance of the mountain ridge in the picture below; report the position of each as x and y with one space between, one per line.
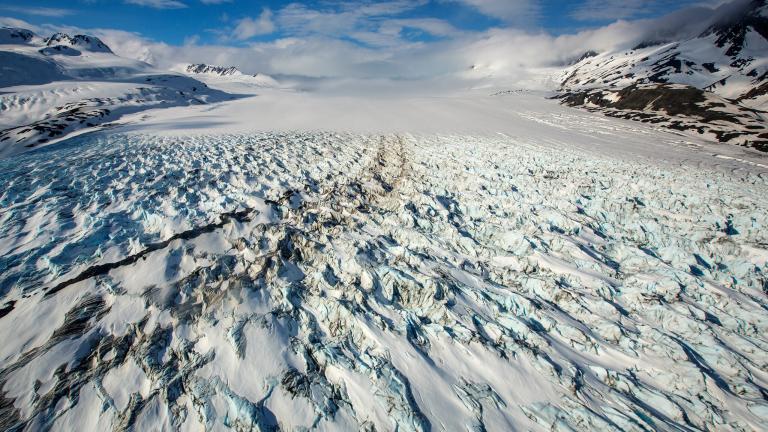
724 70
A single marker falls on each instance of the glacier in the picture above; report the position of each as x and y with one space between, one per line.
303 280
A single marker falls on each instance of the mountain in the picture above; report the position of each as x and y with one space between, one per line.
82 42
212 70
64 84
229 78
729 58
16 36
726 63
343 259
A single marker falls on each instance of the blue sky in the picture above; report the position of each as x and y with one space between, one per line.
233 22
363 39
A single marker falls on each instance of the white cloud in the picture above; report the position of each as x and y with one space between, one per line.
374 49
511 11
158 4
376 24
17 23
598 10
247 28
40 11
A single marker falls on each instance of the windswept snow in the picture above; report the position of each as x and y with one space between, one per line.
388 281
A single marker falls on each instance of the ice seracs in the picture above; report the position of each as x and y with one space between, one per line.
338 281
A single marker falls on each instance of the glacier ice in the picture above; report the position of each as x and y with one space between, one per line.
397 282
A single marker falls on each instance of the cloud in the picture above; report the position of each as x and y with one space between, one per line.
369 44
39 11
601 10
375 24
247 28
215 1
17 23
510 11
158 4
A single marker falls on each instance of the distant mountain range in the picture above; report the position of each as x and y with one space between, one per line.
229 76
714 83
212 70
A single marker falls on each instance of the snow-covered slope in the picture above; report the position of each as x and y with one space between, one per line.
723 71
53 87
18 36
730 59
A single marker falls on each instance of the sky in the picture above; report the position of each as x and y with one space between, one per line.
241 21
371 39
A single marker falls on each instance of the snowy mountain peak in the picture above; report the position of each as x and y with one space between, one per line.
730 58
228 78
212 70
584 56
737 22
81 42
16 36
723 72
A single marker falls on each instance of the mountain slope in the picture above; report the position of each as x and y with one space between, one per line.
714 83
63 84
212 70
730 59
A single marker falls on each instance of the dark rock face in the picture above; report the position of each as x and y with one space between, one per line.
9 35
83 42
214 70
60 50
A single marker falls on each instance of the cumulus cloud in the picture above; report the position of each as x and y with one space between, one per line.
246 28
512 11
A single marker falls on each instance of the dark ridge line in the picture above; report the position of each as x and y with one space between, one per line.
241 216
